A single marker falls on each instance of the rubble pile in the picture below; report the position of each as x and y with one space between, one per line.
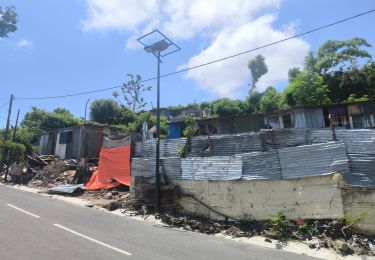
56 172
316 234
111 199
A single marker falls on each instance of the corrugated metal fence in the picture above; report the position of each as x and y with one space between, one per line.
276 154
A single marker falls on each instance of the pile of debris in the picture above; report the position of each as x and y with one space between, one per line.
50 171
316 234
111 199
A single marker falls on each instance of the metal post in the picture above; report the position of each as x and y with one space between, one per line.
8 119
158 49
157 173
5 151
15 127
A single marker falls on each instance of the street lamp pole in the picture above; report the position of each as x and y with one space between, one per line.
157 173
158 50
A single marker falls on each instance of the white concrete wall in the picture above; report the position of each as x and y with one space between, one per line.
360 202
309 198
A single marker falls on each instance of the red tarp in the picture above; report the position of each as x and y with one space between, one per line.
114 168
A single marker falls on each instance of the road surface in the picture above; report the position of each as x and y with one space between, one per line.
39 227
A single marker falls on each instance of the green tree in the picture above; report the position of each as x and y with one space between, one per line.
8 21
141 117
337 55
270 101
105 111
258 68
228 107
307 89
253 101
42 120
292 73
132 93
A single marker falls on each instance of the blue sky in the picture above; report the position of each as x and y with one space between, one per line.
64 47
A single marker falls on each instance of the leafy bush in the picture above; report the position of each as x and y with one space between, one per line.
12 152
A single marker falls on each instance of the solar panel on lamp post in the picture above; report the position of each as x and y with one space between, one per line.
159 49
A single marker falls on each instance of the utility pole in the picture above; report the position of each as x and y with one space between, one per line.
159 50
15 127
8 119
157 173
5 151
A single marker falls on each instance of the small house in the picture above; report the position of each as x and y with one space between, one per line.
76 141
362 114
308 117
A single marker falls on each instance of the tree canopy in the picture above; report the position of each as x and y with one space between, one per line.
270 101
307 89
132 92
258 68
8 21
47 121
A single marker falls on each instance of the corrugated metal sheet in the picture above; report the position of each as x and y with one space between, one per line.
308 117
281 138
369 107
170 168
43 144
211 168
313 160
358 141
363 170
94 137
274 121
168 148
108 143
260 165
231 125
250 123
356 109
225 145
362 121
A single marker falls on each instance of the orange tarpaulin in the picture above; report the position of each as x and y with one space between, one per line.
114 168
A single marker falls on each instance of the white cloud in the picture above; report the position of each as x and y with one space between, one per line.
228 26
24 43
225 78
120 14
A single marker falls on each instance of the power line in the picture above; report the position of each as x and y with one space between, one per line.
3 105
214 61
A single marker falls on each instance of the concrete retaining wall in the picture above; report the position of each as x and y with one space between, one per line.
360 203
261 199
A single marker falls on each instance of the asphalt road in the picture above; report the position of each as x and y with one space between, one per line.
39 227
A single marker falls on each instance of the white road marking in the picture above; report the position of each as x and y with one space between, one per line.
93 240
24 211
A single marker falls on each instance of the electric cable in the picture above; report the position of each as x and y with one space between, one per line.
211 62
